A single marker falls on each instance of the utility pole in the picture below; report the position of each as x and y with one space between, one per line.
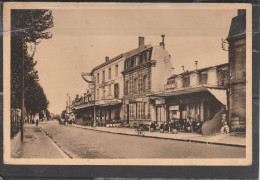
94 107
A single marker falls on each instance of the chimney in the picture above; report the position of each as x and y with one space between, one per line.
196 65
107 58
162 43
141 41
183 68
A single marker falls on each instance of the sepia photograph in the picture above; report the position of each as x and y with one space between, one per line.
127 84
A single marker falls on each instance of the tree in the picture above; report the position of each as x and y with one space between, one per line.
63 114
28 26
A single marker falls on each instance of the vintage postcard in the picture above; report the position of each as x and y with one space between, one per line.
128 84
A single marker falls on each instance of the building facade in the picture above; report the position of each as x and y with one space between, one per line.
199 95
237 63
143 75
109 89
82 108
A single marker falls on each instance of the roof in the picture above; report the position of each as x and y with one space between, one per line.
188 90
199 70
238 24
108 62
137 50
126 55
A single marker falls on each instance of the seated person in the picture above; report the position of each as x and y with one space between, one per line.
153 126
173 124
188 125
162 126
141 126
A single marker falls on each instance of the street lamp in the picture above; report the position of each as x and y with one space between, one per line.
83 75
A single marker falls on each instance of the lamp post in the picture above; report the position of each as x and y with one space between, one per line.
83 75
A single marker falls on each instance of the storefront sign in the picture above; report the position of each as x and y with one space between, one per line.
173 108
160 101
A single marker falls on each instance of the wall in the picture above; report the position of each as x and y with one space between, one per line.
162 70
112 81
237 61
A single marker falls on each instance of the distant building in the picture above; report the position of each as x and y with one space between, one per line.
237 62
82 108
146 70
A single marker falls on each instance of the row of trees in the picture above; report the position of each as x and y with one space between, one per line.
28 28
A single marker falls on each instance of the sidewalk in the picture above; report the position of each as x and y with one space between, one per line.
221 139
35 145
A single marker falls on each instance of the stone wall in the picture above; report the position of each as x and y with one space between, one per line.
237 61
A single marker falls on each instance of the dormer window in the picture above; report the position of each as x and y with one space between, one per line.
186 81
203 78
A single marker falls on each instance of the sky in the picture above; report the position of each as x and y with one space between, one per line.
82 38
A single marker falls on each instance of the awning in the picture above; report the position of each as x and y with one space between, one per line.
182 91
81 106
108 102
220 95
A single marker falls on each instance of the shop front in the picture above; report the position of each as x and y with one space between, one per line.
83 114
191 106
108 112
137 111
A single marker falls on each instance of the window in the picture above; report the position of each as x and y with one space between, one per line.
103 79
186 81
116 91
145 56
126 87
145 84
132 110
146 110
97 78
138 110
141 58
97 93
109 89
135 85
148 55
116 70
137 59
109 73
203 78
104 92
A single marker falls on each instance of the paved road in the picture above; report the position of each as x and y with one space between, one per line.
84 143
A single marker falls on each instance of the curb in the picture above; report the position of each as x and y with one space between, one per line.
175 139
65 155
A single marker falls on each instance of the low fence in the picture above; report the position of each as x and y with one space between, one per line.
15 121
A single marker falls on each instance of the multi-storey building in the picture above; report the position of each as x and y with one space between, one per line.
237 62
109 89
146 70
126 80
199 95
